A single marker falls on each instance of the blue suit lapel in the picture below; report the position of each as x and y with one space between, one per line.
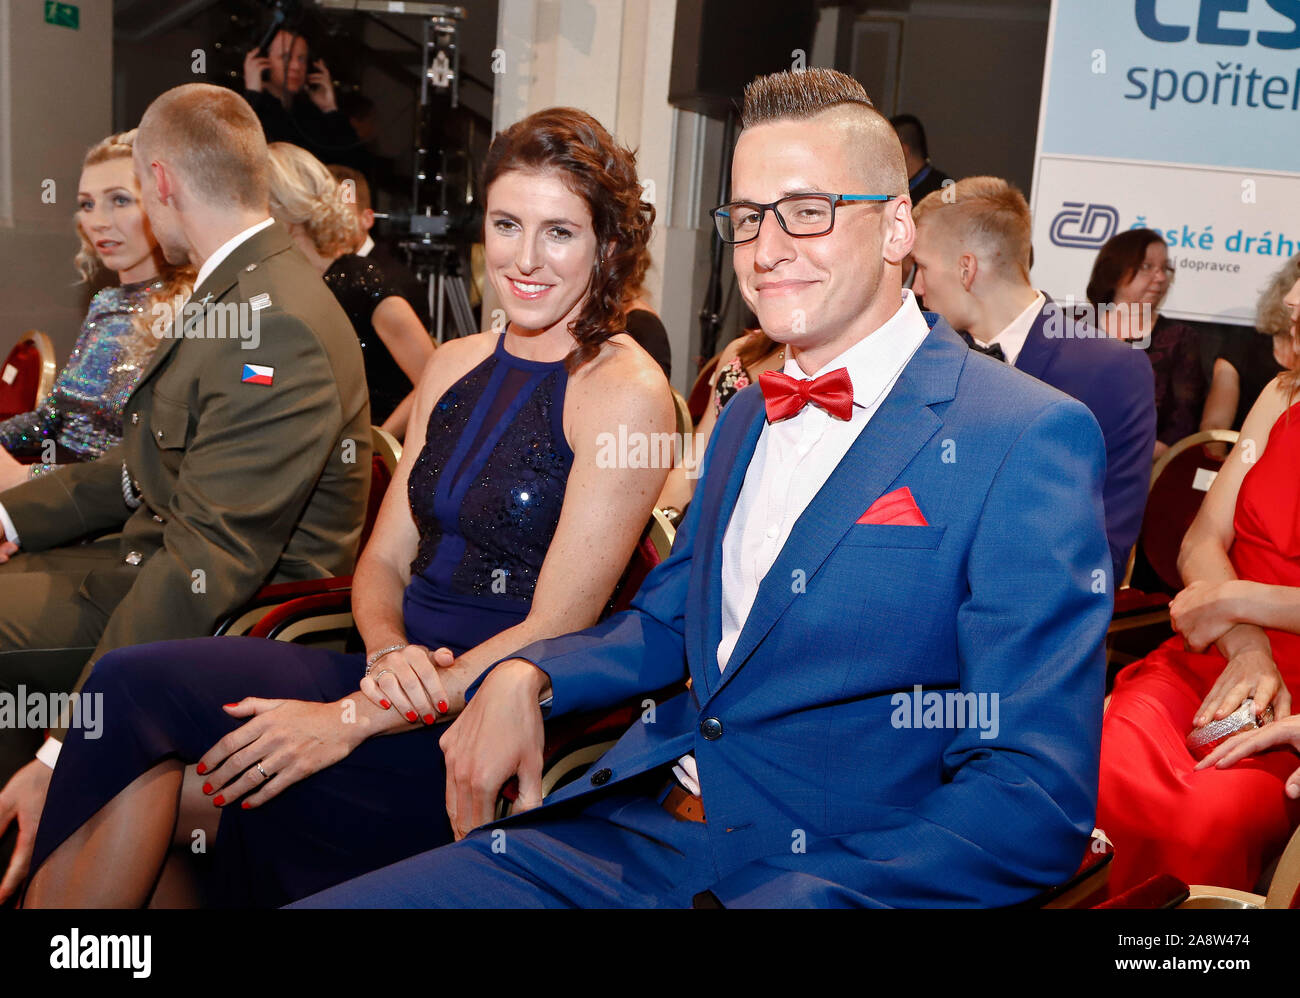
902 425
1036 354
733 448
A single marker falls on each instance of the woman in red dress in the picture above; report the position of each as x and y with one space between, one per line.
1238 624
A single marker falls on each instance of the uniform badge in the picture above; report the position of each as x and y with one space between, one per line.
255 374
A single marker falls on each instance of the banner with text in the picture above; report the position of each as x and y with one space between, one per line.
1179 116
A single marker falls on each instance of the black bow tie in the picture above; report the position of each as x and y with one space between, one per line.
994 351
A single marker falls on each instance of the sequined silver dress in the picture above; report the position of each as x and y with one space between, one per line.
82 415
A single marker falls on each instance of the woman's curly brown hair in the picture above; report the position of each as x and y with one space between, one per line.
603 174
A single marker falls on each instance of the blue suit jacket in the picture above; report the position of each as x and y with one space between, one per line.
1115 382
815 794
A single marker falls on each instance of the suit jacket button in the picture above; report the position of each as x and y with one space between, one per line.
711 728
133 558
135 418
251 267
601 776
157 518
160 434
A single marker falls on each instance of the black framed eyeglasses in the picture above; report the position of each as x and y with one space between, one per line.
798 215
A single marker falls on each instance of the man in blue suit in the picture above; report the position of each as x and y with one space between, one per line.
972 267
888 605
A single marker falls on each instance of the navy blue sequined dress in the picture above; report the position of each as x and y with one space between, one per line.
485 493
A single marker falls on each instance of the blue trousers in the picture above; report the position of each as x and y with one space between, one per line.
620 851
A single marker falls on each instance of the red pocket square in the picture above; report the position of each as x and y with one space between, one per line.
896 508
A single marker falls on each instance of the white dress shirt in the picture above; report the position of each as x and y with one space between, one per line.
1012 339
792 461
49 751
366 247
225 249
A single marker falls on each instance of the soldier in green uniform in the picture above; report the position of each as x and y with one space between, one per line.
245 456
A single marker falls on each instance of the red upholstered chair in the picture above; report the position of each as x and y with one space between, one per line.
1160 891
329 598
1179 481
697 402
27 374
1089 887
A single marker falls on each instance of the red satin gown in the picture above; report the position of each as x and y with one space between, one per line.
1219 826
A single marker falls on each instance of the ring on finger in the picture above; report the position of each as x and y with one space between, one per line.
265 775
378 674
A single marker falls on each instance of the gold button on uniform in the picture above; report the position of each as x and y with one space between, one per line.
133 558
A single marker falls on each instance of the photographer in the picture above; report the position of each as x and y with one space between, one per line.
308 117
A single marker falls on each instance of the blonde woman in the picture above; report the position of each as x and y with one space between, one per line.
82 416
306 197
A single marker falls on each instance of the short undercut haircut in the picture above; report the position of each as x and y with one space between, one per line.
213 138
987 213
806 93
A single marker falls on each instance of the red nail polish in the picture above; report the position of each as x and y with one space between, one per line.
428 718
200 769
218 800
207 788
236 704
245 805
385 704
442 707
411 715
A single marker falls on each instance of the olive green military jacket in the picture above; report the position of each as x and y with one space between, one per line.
245 456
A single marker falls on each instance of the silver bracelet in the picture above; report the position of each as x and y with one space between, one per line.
370 662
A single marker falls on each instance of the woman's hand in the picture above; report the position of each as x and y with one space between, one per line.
1253 673
1247 743
254 66
291 739
1205 611
409 681
320 87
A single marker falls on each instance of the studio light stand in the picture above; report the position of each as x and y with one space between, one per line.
428 240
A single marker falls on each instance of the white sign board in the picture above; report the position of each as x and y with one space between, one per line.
1179 116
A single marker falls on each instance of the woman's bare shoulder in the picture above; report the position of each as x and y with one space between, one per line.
624 380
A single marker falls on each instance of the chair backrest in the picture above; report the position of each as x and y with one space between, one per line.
697 402
27 374
651 549
387 452
685 425
1179 481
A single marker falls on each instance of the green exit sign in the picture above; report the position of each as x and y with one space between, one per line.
65 15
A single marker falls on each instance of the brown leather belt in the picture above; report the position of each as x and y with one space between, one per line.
682 805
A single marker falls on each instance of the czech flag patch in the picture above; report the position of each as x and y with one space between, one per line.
255 374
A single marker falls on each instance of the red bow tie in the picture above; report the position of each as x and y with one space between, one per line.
784 396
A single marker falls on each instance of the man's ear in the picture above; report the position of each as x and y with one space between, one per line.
368 219
968 266
163 181
901 233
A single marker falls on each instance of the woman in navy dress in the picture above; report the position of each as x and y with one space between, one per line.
504 524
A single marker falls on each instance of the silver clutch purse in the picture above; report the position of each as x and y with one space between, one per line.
1203 740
